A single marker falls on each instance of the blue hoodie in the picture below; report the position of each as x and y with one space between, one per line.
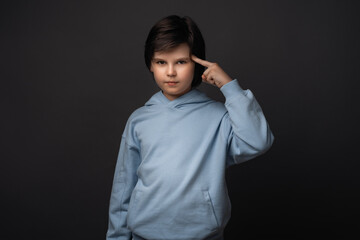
169 180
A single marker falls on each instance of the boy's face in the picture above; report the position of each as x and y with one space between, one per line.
173 71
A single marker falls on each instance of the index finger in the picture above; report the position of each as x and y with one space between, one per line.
200 61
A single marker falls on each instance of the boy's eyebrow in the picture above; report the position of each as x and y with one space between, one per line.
182 58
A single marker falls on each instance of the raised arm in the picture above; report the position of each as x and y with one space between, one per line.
248 132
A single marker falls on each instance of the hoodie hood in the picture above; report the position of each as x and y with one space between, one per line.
194 96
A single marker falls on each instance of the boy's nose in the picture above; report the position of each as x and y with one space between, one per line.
171 71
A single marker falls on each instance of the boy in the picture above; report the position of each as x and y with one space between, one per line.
169 179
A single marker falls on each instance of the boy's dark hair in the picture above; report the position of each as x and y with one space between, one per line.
172 31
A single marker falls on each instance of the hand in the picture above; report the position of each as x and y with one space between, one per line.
214 74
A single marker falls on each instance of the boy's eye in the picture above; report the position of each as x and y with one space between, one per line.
160 62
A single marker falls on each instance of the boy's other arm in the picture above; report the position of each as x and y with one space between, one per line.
250 134
125 179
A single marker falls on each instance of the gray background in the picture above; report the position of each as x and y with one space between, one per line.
73 71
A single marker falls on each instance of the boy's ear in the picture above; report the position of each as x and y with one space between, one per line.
151 68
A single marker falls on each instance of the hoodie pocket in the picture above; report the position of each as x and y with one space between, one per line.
189 216
210 209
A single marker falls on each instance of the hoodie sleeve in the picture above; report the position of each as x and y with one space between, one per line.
249 134
125 179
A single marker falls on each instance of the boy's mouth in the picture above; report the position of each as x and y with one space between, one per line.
171 83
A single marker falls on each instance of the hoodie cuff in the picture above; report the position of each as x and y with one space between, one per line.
231 89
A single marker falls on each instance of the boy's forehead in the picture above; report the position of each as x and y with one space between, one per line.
181 50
